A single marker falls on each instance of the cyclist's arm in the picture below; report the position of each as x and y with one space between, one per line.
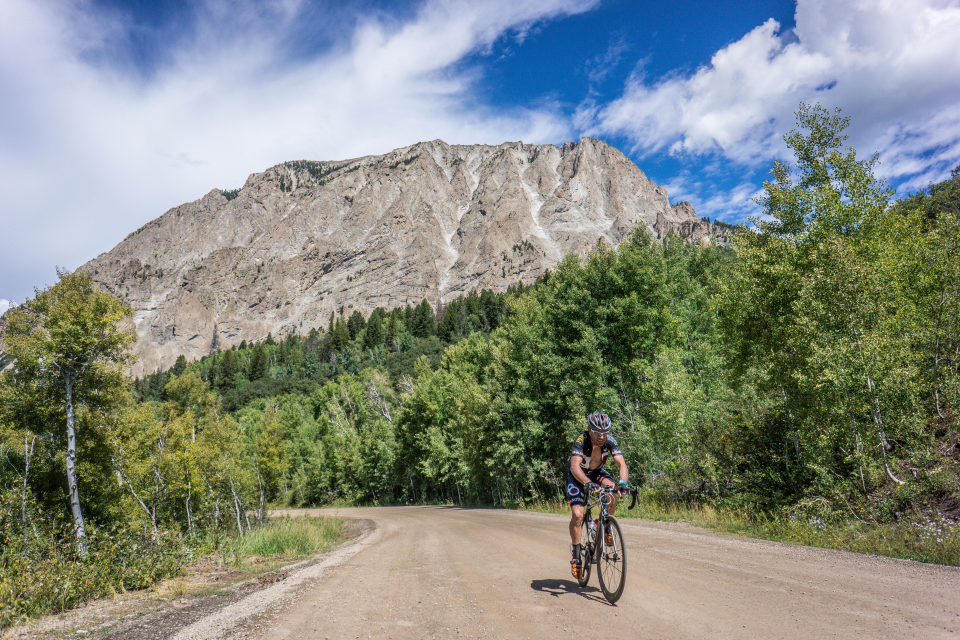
621 466
575 469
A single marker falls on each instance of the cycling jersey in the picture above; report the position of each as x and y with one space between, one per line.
583 447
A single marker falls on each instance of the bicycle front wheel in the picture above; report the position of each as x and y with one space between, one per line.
611 562
585 560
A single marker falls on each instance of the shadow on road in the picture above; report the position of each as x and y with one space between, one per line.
557 588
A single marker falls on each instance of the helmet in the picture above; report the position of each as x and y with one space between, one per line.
599 422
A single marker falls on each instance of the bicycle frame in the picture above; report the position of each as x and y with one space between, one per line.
603 499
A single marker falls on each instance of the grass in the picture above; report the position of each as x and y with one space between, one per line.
925 538
286 538
50 576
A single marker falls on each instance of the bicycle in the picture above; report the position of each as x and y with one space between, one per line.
611 559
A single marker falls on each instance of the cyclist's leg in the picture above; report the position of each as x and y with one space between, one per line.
577 498
575 519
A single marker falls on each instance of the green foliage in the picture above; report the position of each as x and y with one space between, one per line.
229 368
287 538
47 576
258 363
67 381
179 366
837 312
356 324
424 323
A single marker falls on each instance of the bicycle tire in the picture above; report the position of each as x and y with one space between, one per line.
585 558
612 562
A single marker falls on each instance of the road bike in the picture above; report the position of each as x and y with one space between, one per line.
610 557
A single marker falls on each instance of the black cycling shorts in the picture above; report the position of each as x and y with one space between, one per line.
575 491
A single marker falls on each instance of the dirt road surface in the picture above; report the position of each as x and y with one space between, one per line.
435 572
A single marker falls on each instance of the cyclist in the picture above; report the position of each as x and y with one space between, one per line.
590 452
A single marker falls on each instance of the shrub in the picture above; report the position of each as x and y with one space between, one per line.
48 575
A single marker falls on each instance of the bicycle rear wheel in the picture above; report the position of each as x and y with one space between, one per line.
612 562
585 559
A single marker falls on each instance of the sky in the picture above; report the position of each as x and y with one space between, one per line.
114 111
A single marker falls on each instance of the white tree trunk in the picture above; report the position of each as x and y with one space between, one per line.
236 504
27 455
78 526
189 507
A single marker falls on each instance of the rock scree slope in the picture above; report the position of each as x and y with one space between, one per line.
302 239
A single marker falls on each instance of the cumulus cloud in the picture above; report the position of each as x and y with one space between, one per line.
4 305
94 145
893 65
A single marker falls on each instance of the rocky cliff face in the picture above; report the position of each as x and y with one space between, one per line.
431 220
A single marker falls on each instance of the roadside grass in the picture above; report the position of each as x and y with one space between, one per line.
51 576
284 538
925 538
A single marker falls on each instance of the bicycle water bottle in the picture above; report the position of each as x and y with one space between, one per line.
593 530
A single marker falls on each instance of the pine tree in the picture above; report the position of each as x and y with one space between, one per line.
258 363
229 368
424 323
179 366
376 332
341 335
356 324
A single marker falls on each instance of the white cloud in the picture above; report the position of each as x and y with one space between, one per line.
734 205
91 148
892 65
601 66
4 305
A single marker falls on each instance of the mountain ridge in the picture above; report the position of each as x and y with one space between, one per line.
303 239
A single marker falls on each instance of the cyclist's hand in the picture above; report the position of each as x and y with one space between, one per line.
623 488
591 487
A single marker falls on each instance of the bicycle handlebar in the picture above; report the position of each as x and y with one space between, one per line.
611 490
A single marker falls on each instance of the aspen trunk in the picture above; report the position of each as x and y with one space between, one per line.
27 455
236 505
78 526
189 506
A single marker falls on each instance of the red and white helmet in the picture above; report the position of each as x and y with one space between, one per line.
599 422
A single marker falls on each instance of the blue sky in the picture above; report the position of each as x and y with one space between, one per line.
113 111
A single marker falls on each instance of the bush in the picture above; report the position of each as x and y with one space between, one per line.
51 575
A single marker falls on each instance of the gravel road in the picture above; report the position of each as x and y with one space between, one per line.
435 572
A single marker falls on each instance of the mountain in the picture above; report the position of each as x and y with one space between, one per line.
304 239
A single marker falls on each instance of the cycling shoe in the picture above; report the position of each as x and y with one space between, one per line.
576 568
